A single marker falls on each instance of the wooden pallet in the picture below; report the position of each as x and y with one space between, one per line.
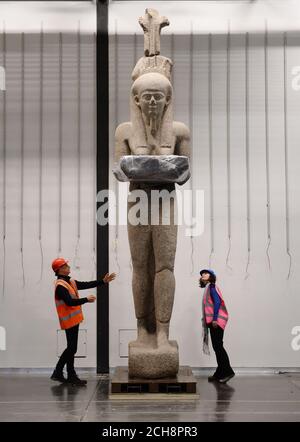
183 383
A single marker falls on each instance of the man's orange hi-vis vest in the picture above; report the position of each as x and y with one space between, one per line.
68 315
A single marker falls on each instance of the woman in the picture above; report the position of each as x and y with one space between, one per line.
215 317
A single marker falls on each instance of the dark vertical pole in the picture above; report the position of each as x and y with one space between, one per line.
102 183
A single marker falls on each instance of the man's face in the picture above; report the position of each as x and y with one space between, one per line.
152 102
64 270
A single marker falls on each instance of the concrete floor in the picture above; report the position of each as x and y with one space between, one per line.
34 397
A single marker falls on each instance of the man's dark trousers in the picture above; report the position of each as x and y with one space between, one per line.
68 355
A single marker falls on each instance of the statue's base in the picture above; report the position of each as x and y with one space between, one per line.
153 362
183 385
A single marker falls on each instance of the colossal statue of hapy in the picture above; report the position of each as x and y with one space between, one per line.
152 152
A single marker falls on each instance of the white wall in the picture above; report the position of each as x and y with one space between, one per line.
28 313
263 307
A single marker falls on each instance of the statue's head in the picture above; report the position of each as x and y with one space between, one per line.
152 93
151 107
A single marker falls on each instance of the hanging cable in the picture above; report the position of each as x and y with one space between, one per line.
191 104
247 150
94 274
212 238
116 81
76 260
60 116
41 139
267 143
228 140
4 163
22 155
286 156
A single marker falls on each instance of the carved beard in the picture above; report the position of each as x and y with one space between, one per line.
153 124
153 121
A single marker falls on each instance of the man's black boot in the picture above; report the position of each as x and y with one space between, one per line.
57 376
74 380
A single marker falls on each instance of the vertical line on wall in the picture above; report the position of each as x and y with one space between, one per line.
41 139
22 153
4 162
191 105
267 141
76 259
210 138
247 143
60 123
286 155
172 57
95 153
116 95
228 141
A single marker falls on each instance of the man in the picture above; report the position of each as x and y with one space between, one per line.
215 317
68 305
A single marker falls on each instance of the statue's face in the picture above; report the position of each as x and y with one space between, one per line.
152 102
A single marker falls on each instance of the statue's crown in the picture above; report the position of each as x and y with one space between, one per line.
158 63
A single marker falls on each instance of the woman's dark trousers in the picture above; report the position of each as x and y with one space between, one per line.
224 369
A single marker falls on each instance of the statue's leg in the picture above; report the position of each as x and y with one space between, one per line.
140 242
164 246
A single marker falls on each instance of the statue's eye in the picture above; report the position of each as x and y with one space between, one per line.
157 97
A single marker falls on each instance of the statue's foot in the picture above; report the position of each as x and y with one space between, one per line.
137 343
163 342
163 335
144 339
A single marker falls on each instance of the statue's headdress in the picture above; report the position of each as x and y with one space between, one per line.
152 71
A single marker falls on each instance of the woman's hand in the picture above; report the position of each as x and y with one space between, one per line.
215 324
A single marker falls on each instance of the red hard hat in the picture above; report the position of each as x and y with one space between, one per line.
57 263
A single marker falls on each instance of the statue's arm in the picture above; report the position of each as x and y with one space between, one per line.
121 141
182 145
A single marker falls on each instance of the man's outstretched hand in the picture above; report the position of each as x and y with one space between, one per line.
109 277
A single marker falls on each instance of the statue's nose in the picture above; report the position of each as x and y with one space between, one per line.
152 100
